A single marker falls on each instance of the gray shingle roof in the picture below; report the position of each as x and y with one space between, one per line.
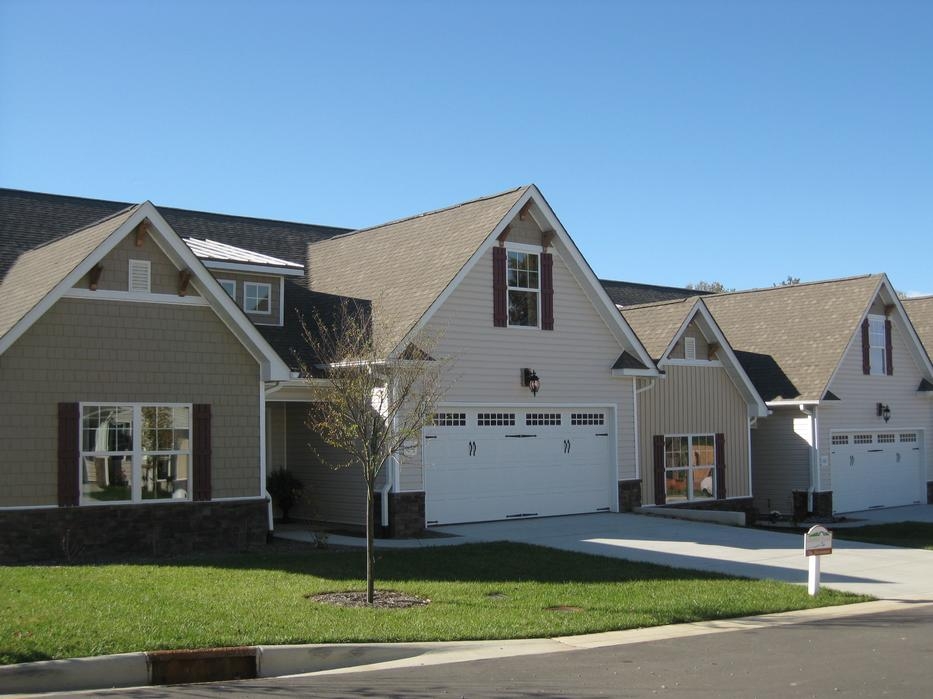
633 294
403 266
790 339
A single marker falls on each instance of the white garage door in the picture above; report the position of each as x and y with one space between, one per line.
875 469
500 463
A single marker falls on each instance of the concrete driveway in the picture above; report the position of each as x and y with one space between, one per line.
882 571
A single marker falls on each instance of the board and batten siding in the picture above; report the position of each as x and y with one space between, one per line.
112 352
781 448
573 361
860 394
695 399
330 494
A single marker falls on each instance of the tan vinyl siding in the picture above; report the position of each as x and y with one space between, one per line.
780 459
525 232
100 351
331 495
116 265
695 400
573 361
275 298
702 346
861 393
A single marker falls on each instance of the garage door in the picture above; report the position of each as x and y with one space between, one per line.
875 469
502 463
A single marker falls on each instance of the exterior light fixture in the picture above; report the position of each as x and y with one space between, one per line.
884 411
531 381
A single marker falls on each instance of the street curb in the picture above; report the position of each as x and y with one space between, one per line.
226 664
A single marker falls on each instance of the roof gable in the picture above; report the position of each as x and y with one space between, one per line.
792 339
65 261
408 268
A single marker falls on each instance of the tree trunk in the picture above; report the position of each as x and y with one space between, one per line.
370 545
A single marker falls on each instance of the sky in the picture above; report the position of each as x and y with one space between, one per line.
741 142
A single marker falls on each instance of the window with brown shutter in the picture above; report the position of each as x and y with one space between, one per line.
68 454
499 289
659 489
888 348
547 291
866 358
720 466
201 453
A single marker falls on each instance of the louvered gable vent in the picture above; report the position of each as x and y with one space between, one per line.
140 276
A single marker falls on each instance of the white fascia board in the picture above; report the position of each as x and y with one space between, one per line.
272 366
732 365
247 268
629 373
580 270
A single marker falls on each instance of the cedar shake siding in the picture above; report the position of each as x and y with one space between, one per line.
695 400
114 275
98 351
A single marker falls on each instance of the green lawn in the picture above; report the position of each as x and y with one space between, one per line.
480 591
915 535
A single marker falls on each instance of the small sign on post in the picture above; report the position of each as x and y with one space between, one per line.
818 541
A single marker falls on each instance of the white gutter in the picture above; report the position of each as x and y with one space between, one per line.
388 467
814 454
262 453
635 420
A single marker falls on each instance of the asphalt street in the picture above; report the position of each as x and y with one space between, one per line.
888 654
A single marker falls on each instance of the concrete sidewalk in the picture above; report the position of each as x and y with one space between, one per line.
881 571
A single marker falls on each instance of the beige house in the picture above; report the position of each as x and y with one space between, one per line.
848 382
149 356
694 423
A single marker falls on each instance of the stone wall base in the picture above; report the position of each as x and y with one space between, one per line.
823 504
629 495
746 505
74 534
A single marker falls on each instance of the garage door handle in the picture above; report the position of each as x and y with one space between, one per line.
602 434
566 446
472 448
874 450
520 436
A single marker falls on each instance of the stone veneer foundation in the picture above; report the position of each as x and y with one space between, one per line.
102 531
629 495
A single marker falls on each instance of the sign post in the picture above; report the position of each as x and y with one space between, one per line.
818 541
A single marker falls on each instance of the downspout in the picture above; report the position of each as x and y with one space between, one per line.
389 468
814 456
262 454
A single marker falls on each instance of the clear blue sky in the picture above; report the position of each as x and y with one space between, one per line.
677 141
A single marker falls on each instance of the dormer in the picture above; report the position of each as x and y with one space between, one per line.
256 282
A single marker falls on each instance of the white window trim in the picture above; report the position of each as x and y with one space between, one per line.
246 288
224 282
882 370
527 250
691 468
137 452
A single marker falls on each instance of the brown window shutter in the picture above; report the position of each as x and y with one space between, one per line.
547 291
69 454
866 355
500 311
201 452
660 496
888 348
720 466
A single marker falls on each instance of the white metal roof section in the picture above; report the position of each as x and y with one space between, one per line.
212 251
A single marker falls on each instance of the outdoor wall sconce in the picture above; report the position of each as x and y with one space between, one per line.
531 381
884 411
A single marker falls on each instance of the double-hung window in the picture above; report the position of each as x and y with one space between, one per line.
135 452
524 288
690 467
257 297
877 348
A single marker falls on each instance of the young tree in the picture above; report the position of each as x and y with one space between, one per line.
790 281
373 398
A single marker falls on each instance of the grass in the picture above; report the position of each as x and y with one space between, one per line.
915 535
481 591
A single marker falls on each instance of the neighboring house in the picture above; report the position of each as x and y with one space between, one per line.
148 362
624 294
920 310
849 386
693 425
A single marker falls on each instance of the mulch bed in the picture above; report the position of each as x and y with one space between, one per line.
382 599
